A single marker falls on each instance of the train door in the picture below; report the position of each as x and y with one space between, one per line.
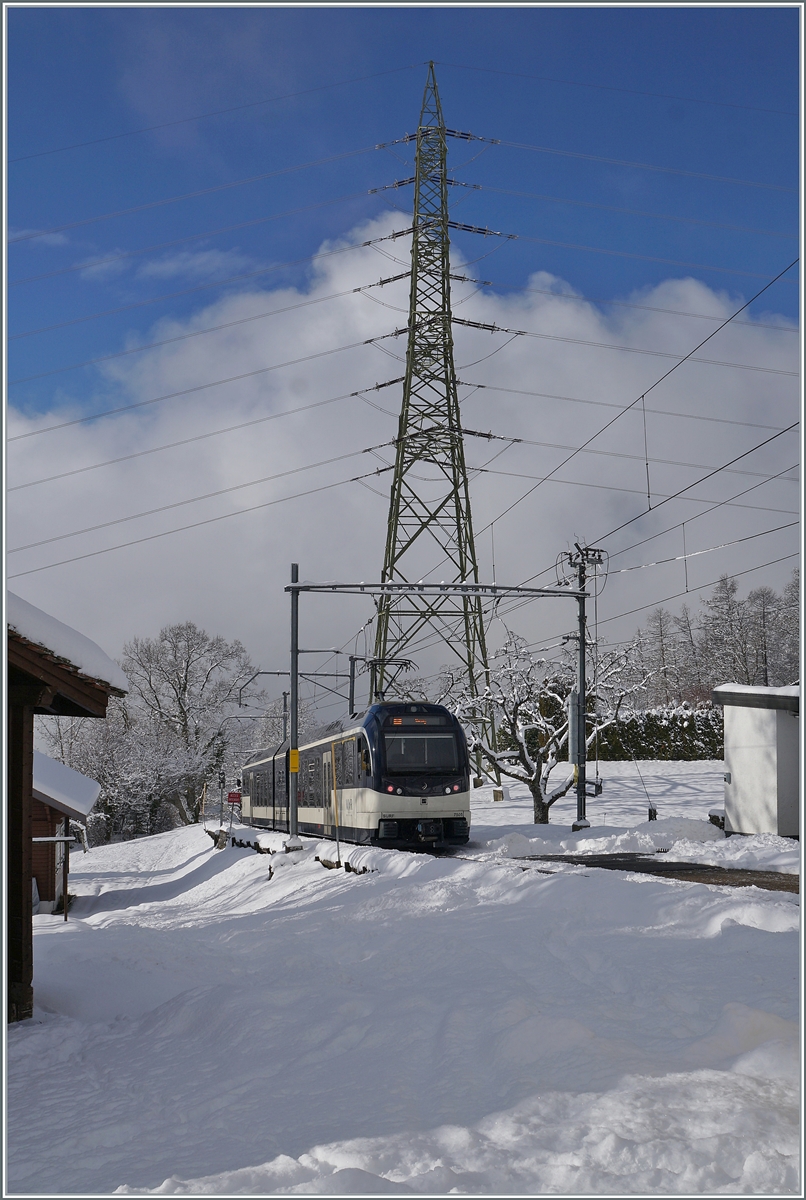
327 793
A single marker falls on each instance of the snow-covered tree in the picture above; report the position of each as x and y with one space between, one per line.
754 640
170 737
185 686
528 697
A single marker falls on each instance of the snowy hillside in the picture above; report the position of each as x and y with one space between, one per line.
476 1023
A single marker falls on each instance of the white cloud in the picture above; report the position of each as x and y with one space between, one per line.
110 267
195 264
36 237
229 575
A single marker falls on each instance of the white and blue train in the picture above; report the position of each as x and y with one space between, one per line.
396 776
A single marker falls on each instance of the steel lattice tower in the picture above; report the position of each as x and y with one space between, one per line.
430 531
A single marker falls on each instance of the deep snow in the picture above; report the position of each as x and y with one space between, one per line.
467 1023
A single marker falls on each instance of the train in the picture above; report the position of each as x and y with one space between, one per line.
396 776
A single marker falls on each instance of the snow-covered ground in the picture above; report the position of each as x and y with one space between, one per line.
463 1024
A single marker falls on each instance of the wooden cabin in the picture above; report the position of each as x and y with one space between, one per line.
52 669
60 795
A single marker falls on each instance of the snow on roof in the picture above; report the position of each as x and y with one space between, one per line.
755 696
62 641
63 788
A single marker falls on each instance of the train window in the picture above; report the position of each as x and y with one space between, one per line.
364 760
338 751
407 754
348 762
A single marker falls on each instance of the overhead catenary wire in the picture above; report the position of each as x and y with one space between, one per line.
697 516
645 392
699 588
697 553
667 462
611 487
689 520
702 479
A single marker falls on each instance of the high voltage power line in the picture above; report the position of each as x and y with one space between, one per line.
359 245
377 75
93 263
326 462
601 87
580 297
195 525
658 412
646 392
218 187
631 212
370 341
552 337
199 437
201 287
216 113
182 337
200 387
620 162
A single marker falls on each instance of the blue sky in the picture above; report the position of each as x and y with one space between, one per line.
692 92
80 74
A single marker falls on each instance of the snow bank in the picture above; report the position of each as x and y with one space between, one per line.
417 1024
637 1138
646 838
62 641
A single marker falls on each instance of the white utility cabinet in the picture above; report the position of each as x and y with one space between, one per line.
762 758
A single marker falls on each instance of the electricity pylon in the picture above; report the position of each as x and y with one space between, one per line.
430 531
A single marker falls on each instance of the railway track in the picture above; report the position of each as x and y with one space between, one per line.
690 872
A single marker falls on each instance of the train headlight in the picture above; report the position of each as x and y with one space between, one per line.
447 791
400 791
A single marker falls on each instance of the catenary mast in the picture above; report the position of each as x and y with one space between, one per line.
430 531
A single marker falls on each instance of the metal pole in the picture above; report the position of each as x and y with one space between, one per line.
293 747
581 820
352 685
65 864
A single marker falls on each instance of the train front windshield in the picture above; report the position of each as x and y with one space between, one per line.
416 753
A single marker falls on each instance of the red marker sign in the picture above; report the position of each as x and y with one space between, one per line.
234 798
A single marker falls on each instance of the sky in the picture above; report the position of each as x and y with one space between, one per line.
177 171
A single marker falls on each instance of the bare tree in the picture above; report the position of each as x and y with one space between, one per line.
529 698
188 684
